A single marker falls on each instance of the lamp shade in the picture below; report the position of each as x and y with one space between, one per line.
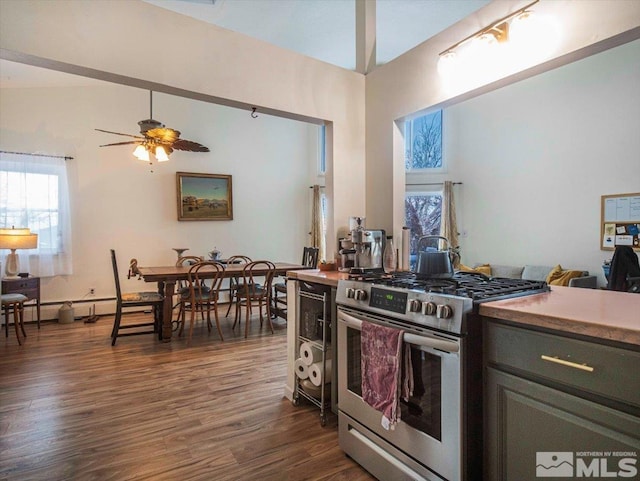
13 239
20 238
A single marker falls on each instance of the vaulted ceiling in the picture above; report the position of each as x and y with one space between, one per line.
322 29
326 29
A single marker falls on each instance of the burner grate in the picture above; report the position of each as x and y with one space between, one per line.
472 285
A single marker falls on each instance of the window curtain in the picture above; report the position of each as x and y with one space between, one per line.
449 226
34 193
317 228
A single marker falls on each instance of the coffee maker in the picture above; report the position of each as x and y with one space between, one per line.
368 245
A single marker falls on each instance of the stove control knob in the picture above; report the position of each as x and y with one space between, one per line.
415 305
350 292
361 295
444 312
429 308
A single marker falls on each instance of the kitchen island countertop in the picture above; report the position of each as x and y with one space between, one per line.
326 278
596 313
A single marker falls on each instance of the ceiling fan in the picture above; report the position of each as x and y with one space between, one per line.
156 139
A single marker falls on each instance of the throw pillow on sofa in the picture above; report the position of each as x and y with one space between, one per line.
560 277
482 269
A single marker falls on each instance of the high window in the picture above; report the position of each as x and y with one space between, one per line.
322 152
423 142
34 194
423 155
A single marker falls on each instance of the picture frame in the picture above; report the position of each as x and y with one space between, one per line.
204 196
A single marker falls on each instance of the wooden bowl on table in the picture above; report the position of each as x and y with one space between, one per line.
327 266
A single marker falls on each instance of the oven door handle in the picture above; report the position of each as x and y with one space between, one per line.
425 340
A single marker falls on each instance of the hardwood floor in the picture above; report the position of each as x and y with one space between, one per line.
74 408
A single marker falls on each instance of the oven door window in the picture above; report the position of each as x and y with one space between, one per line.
424 408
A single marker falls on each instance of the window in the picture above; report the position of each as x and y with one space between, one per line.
324 214
423 142
34 194
423 155
423 213
322 153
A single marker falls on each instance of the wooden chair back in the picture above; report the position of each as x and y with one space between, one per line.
258 277
210 271
310 257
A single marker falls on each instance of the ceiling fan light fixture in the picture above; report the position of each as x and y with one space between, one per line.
141 153
161 154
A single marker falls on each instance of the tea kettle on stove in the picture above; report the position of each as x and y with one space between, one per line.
434 264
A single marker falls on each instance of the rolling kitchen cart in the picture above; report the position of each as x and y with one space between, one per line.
314 327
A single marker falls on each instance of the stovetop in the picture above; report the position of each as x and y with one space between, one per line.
442 304
475 286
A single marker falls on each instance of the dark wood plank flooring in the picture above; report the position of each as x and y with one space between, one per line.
74 408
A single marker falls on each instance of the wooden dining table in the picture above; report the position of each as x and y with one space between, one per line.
167 276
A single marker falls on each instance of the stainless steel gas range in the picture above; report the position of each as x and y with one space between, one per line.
439 436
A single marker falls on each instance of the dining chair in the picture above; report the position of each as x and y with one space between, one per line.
235 282
134 299
182 287
200 297
279 297
256 292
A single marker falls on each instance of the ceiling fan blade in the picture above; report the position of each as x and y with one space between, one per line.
164 135
122 143
190 146
118 133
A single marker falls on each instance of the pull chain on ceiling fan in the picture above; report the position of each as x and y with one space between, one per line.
156 139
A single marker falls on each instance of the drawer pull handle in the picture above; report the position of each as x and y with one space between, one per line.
582 367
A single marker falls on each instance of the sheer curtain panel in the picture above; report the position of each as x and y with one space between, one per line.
317 228
34 193
449 225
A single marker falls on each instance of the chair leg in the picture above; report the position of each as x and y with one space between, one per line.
191 321
21 315
181 319
15 323
208 315
248 316
158 315
236 319
232 296
215 314
269 316
116 325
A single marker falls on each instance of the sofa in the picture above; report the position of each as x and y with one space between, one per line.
553 275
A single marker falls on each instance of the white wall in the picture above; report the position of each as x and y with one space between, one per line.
118 203
411 84
136 43
536 156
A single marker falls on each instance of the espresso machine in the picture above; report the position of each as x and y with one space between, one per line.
368 246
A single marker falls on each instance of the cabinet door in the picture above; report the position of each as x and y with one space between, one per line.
527 423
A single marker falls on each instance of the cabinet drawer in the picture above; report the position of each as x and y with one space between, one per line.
20 285
31 293
607 371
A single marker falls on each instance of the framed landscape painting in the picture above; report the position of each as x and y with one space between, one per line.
204 196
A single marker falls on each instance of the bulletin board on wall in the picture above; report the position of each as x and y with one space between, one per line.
620 221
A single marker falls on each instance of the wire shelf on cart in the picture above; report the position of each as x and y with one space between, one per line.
314 328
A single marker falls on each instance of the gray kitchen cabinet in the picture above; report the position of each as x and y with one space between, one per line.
558 407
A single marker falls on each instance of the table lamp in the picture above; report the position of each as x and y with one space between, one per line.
13 239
